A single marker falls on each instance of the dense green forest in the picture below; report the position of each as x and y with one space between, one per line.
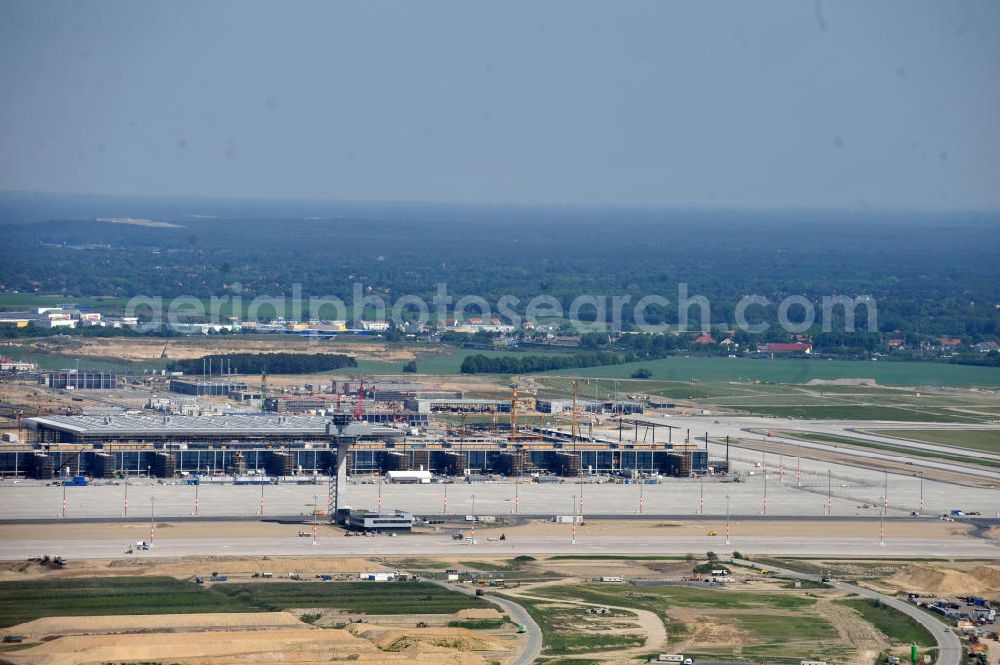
930 274
526 364
272 363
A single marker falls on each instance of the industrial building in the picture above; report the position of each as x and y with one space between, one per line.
393 391
458 405
566 406
79 380
326 404
626 407
409 477
362 520
207 388
299 403
352 386
308 445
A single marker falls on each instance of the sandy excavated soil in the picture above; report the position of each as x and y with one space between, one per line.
940 581
242 647
190 566
31 398
149 349
264 637
397 639
108 625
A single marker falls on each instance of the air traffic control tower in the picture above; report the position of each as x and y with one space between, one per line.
343 432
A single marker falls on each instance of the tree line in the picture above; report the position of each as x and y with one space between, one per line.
272 363
524 364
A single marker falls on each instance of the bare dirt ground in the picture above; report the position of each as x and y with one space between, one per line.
130 349
34 400
944 580
191 566
227 647
866 640
114 624
264 637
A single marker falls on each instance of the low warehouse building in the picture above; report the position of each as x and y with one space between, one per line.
409 477
363 520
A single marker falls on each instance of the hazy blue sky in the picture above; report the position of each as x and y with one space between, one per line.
759 103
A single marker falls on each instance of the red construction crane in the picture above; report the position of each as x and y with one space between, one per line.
359 410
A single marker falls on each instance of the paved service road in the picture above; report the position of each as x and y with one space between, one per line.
438 545
950 648
518 615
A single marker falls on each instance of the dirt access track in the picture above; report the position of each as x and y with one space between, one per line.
138 350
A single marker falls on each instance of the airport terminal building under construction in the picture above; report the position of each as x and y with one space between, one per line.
289 445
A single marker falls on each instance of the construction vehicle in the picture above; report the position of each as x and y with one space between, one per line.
713 532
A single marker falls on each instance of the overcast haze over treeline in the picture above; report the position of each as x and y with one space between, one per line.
678 104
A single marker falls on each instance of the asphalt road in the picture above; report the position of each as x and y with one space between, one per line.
950 648
519 615
755 427
440 545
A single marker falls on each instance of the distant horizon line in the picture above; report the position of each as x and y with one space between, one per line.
486 204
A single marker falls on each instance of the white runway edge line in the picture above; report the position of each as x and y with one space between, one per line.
438 545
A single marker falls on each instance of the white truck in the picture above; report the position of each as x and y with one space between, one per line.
674 658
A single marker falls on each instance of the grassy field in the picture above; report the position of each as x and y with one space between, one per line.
771 625
777 628
895 625
560 637
479 624
33 599
801 371
438 364
662 598
397 598
21 301
988 440
791 400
